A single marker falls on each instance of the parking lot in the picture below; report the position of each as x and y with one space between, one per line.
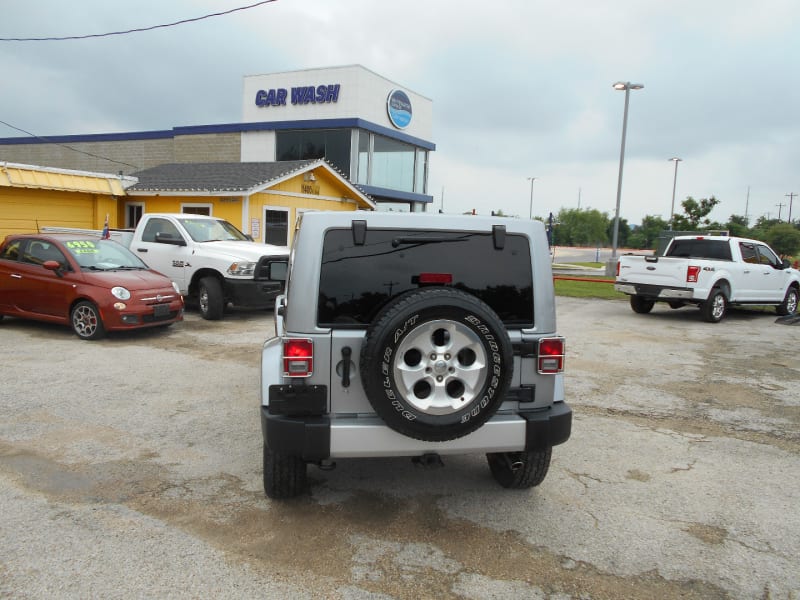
131 467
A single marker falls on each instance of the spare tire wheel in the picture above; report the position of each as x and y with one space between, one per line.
436 364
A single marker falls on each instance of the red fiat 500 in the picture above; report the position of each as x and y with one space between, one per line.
91 284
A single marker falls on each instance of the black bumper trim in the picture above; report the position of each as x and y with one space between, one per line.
306 437
251 293
547 428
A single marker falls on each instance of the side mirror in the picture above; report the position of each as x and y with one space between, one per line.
785 264
168 238
55 266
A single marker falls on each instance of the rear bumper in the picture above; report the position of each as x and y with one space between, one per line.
655 291
316 438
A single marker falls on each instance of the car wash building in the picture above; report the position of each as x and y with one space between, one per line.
375 133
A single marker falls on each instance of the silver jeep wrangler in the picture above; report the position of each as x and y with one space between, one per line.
414 335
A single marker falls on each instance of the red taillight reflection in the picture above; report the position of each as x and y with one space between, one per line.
692 273
441 278
298 357
551 355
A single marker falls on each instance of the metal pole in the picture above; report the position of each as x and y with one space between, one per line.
530 210
619 179
674 182
791 197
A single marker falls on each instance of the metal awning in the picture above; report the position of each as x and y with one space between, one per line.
47 178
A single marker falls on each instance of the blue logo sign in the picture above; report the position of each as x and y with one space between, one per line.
399 108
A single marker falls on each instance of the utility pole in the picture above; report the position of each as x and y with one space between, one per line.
780 205
791 196
746 206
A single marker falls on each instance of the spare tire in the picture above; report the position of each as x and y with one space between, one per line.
436 363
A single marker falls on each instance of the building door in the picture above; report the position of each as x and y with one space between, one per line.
276 226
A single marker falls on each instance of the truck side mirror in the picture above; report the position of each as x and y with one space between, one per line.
168 238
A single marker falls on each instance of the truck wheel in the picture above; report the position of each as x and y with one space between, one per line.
519 470
436 364
86 322
715 307
284 476
789 304
210 299
642 305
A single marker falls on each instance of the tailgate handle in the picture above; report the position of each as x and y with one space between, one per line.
346 352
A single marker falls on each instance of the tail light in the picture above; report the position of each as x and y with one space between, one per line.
551 355
692 273
298 357
617 268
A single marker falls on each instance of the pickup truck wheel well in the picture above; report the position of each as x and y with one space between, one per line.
194 286
724 287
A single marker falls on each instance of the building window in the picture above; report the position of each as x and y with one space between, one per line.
276 226
363 156
133 213
421 172
331 144
196 209
392 164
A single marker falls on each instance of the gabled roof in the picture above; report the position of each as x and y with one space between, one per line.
231 179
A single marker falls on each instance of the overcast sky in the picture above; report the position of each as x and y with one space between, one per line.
520 88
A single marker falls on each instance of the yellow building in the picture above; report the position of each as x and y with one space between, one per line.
32 197
262 199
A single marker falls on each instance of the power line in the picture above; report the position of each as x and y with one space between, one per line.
47 141
137 30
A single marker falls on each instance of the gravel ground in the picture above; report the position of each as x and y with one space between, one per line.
131 467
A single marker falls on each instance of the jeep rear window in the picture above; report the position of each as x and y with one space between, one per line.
356 281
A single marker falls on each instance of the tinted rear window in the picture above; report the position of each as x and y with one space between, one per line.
712 249
356 281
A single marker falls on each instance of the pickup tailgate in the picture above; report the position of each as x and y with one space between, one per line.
647 275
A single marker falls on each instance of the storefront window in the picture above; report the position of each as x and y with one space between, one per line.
363 157
421 171
392 164
331 144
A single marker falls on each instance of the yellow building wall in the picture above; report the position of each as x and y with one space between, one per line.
224 207
296 195
24 210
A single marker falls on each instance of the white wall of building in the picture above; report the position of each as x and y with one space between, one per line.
361 94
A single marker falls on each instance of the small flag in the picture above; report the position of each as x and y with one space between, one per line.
106 232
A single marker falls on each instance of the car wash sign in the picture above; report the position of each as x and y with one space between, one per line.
311 94
398 105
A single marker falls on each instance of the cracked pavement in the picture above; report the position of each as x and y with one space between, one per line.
131 467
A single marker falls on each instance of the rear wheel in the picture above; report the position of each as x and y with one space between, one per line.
519 470
284 475
789 304
210 298
714 309
86 322
642 305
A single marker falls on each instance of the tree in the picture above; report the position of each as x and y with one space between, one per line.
783 238
645 236
623 232
737 226
695 214
581 227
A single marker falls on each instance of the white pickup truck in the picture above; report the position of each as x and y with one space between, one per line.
210 259
711 272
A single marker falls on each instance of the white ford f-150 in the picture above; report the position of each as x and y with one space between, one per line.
712 272
210 259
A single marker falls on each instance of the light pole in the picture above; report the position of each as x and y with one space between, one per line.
530 210
674 181
627 86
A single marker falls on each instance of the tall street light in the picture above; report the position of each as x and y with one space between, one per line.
627 86
530 210
676 160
